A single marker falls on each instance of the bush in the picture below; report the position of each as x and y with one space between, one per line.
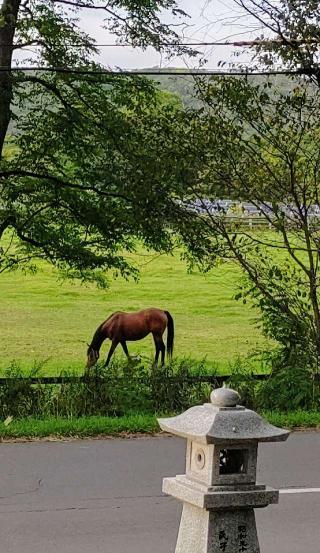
19 398
284 390
137 387
289 389
286 314
172 390
117 390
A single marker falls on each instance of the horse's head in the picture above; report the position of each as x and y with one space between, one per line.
92 357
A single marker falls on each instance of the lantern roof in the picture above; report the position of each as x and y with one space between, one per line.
223 421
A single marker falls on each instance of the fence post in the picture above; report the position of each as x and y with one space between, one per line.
219 490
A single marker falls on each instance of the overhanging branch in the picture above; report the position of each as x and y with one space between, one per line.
60 183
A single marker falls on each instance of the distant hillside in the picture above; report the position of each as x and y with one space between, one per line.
184 86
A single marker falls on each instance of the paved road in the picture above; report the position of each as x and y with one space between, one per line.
105 496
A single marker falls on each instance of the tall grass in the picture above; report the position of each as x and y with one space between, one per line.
120 389
125 389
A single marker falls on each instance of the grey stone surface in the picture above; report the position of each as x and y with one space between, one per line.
181 488
193 530
204 531
233 532
203 463
209 424
224 397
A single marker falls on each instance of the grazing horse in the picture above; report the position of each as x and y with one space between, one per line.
122 327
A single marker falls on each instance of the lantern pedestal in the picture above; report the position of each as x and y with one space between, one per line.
215 521
204 531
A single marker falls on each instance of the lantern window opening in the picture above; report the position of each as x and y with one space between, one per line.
233 461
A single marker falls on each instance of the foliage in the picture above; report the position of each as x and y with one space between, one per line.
96 175
285 312
291 32
30 428
88 176
289 388
19 397
293 419
260 146
114 391
172 388
81 427
264 150
242 379
126 389
290 35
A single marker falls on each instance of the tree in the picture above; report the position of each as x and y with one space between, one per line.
293 28
260 145
83 176
51 26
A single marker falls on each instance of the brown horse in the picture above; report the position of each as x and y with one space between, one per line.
122 327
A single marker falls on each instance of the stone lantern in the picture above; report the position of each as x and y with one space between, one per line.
219 490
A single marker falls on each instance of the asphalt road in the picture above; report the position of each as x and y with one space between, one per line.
104 496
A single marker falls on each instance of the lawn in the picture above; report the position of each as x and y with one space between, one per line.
44 319
125 426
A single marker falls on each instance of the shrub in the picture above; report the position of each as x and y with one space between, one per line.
117 390
286 314
289 389
286 389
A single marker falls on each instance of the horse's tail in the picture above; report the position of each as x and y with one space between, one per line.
170 336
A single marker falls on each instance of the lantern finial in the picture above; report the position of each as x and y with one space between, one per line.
225 397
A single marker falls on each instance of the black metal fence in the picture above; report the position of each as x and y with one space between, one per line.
215 380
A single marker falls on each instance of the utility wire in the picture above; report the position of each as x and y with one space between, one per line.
132 73
241 43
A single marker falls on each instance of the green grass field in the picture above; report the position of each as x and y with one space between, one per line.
84 427
42 319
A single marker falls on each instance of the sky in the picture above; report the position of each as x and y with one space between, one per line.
210 20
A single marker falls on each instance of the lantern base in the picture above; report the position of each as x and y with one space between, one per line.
201 496
225 531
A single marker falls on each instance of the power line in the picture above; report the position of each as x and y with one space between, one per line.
242 43
239 43
132 73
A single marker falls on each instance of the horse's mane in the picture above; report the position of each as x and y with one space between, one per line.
98 337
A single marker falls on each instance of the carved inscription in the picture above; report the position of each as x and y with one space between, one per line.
243 539
223 540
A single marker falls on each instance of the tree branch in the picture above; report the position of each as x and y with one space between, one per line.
60 183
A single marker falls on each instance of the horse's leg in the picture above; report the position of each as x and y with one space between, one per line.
163 352
125 349
162 348
156 355
111 350
159 345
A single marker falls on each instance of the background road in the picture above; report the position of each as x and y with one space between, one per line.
104 496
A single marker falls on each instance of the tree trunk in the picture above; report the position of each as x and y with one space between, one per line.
8 20
315 307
